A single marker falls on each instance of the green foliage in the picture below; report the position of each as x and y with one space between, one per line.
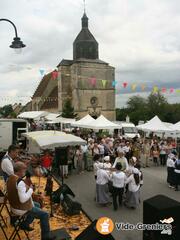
68 110
139 108
7 111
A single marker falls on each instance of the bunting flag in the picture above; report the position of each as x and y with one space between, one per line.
55 74
114 83
171 90
163 90
143 86
133 87
125 84
155 89
104 82
178 90
92 81
42 72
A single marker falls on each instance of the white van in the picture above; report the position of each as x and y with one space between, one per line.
128 130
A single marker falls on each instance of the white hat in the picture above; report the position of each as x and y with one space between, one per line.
134 159
106 158
135 170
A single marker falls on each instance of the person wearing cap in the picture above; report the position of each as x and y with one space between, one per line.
118 182
133 194
107 164
121 159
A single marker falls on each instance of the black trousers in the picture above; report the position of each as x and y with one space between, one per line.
162 159
117 194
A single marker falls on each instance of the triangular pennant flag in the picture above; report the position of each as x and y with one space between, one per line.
92 81
143 86
104 82
125 84
171 90
163 90
133 87
155 89
178 90
55 74
114 83
42 72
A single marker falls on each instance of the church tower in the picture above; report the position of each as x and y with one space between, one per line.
87 80
85 45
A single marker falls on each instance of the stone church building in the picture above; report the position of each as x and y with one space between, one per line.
86 80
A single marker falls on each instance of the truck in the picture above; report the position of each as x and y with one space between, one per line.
10 133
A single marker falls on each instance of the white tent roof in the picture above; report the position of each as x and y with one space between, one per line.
83 122
51 116
51 139
154 125
33 114
62 120
101 123
176 127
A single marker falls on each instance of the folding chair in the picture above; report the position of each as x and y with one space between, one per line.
17 227
3 204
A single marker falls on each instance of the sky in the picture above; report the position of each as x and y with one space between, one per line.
140 38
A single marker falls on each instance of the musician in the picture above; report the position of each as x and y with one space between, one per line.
20 199
8 161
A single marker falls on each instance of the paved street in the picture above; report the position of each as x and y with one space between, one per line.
154 183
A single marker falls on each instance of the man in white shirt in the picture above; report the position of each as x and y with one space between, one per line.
8 161
118 180
20 199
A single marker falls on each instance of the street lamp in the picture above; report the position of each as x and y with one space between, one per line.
17 44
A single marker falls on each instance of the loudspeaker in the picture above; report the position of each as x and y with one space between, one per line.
90 233
60 234
155 210
70 206
61 156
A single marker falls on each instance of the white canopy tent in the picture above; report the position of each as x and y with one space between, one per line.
33 115
176 127
50 140
100 123
51 116
62 120
83 122
154 125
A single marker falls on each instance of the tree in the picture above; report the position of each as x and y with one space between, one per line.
6 111
68 110
157 105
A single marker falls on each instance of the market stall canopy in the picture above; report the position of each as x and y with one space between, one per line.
100 123
154 125
83 122
103 123
51 116
33 114
176 127
52 139
62 120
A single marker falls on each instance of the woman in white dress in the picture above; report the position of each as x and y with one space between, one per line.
132 195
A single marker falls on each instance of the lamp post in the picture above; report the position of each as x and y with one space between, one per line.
17 44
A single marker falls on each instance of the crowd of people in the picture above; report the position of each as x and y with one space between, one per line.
115 161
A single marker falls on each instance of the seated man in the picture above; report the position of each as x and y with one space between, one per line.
8 161
19 196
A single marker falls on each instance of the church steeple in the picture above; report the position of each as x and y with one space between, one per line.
84 20
85 45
